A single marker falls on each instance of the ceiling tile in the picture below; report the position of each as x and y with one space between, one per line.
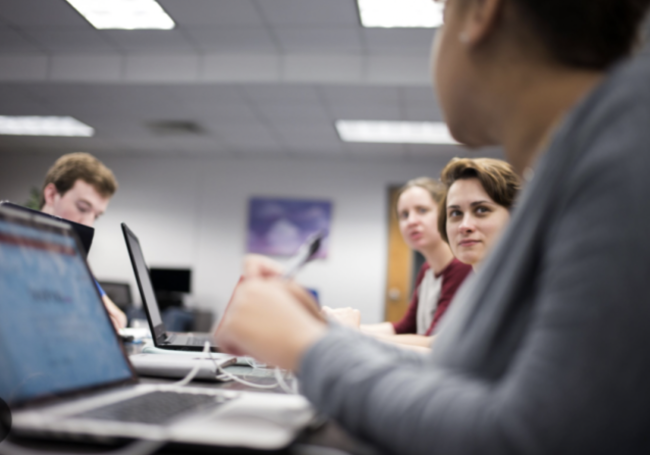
248 137
166 41
366 112
375 150
162 68
342 39
14 65
360 95
211 12
319 68
310 12
96 67
422 97
12 41
312 140
24 107
214 95
69 39
292 113
403 69
233 39
46 13
444 152
218 116
240 68
280 94
409 41
419 114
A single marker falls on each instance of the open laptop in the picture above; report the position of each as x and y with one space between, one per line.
84 233
161 337
65 374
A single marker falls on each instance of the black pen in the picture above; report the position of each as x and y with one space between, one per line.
305 254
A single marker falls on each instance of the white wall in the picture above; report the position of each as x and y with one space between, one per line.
192 212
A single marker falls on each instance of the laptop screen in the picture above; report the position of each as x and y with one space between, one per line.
55 335
144 282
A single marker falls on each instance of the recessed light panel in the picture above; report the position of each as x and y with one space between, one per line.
124 14
394 132
44 126
401 13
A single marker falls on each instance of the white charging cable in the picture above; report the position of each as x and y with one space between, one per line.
223 374
279 380
194 371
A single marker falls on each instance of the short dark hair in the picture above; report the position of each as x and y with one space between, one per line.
79 166
497 178
590 34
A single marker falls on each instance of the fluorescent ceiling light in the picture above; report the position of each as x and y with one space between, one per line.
44 126
124 14
394 132
400 13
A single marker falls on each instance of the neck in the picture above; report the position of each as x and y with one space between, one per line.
537 101
438 257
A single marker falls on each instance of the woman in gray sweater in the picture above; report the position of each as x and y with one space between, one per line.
546 350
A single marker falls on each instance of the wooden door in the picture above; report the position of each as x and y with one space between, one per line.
400 266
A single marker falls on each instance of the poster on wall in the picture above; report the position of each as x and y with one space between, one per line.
277 227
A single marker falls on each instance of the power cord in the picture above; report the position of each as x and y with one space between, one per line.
279 380
223 374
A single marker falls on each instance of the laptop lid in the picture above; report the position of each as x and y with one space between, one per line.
84 233
158 330
56 337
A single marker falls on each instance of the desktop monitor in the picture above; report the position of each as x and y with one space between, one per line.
171 280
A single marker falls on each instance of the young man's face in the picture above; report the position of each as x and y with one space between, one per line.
81 203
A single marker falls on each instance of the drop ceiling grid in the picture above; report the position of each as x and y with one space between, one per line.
293 119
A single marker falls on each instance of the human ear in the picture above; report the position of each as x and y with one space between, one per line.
481 18
49 194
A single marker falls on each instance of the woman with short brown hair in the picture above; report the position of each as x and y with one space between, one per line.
475 208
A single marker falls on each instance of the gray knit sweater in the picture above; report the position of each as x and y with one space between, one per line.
547 349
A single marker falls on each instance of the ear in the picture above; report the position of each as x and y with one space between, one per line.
49 194
480 21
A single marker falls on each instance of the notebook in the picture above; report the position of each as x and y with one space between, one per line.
64 371
161 337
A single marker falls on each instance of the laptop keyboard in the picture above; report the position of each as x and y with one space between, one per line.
154 407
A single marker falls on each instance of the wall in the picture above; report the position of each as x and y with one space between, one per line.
192 212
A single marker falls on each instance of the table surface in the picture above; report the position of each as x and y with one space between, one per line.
314 441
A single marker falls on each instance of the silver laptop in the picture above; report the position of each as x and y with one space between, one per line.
161 337
65 374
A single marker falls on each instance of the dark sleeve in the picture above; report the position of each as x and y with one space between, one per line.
408 324
578 383
452 278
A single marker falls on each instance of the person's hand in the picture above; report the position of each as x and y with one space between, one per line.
257 266
272 320
349 317
118 318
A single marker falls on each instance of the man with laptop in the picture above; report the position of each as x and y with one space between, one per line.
78 187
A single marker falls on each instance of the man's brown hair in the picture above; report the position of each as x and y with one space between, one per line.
79 166
497 178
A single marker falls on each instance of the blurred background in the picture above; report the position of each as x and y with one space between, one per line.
216 102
